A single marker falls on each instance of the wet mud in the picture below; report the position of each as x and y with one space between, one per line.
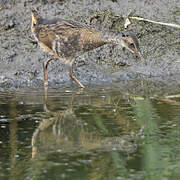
21 59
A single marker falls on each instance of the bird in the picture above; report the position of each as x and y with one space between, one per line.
67 39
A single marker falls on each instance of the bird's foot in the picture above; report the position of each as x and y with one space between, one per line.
46 84
81 85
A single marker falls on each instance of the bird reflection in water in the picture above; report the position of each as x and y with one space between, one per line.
64 131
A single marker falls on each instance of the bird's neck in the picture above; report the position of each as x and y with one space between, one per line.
112 37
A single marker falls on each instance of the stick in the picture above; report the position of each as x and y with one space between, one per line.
156 22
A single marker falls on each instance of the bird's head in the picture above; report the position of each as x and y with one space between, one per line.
130 42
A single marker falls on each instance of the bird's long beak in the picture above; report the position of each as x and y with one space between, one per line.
139 54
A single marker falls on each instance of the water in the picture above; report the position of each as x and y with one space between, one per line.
91 134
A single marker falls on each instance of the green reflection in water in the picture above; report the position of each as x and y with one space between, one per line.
157 155
88 135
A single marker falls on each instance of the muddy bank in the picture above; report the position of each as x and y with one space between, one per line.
21 59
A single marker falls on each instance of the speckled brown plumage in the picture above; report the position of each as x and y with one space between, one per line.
67 39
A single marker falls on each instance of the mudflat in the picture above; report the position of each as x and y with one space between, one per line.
21 59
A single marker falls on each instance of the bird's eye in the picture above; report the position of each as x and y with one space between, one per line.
131 45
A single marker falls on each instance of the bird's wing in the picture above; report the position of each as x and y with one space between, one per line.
60 29
72 34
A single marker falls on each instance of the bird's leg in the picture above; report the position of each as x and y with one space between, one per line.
45 98
71 73
45 65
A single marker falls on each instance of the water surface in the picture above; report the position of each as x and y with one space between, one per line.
92 134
